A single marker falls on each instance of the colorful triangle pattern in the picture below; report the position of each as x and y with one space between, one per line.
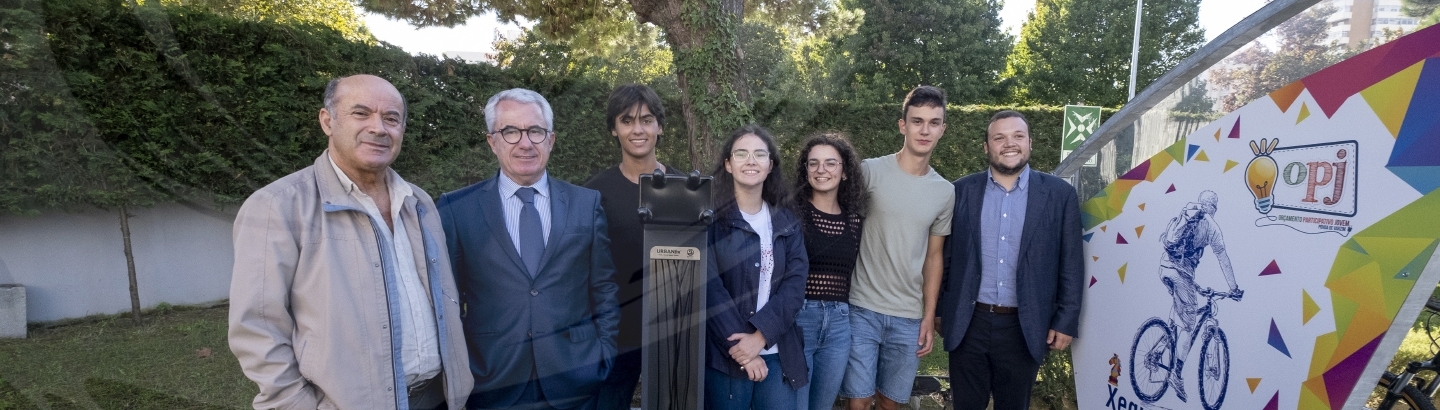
1308 307
1390 98
1285 96
1367 268
1276 340
1110 202
1272 269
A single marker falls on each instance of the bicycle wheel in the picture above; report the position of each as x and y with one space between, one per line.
1151 357
1410 397
1214 368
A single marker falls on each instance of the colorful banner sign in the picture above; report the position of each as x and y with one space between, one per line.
1080 122
1275 258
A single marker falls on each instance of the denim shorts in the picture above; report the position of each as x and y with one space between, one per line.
882 355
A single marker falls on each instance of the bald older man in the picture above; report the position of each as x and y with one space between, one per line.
342 294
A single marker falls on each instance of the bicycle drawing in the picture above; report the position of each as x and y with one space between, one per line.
1162 347
1153 364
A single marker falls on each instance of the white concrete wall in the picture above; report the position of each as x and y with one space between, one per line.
73 264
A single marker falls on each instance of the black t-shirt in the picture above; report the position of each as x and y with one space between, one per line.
621 199
831 242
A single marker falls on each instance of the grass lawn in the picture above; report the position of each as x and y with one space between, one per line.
111 363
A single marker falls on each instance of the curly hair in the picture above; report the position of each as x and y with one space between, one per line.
852 195
774 190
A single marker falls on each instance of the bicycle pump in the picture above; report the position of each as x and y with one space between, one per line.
675 210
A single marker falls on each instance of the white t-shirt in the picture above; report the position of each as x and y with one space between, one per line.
761 224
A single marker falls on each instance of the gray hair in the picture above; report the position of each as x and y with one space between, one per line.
522 96
329 98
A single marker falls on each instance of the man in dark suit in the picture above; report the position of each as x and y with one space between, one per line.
532 264
1013 272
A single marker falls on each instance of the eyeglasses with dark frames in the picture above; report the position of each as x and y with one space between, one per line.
511 134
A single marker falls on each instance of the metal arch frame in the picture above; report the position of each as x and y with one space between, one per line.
1242 33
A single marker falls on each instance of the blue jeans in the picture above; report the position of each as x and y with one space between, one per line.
826 325
882 355
723 392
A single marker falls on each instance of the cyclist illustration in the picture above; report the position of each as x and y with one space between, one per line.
1161 347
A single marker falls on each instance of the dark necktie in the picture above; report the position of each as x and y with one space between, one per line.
532 234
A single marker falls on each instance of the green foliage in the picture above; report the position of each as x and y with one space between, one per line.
770 69
1074 51
339 15
1195 108
225 106
1056 385
956 45
707 65
1427 10
53 154
874 131
1256 71
635 55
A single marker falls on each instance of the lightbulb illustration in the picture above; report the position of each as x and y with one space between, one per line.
1261 173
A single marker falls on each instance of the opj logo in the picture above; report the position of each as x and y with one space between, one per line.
1310 179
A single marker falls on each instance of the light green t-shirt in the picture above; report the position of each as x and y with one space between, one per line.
905 211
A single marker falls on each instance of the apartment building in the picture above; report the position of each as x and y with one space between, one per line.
1356 22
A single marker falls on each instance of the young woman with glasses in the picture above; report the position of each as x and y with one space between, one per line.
756 281
830 196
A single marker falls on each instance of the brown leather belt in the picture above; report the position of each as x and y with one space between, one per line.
1002 310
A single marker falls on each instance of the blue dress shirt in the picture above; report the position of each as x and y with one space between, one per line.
1002 217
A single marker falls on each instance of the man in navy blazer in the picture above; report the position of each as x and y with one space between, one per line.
533 268
1013 272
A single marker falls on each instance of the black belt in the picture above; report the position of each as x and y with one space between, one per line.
1002 310
426 394
421 385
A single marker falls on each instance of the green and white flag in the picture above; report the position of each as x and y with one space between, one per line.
1080 122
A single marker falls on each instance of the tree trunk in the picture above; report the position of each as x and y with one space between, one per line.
130 265
703 37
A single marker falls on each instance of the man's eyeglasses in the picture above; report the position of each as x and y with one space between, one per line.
829 164
510 134
741 155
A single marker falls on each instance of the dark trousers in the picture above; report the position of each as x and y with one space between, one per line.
533 398
992 360
617 391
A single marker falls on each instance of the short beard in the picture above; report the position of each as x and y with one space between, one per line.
1008 171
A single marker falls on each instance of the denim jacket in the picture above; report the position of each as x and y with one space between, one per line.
733 275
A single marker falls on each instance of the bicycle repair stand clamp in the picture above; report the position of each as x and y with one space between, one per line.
676 212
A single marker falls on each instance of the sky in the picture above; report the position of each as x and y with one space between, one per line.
1215 15
480 31
475 36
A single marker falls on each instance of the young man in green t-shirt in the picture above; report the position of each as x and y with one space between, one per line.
897 276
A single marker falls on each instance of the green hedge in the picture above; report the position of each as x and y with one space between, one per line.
107 104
